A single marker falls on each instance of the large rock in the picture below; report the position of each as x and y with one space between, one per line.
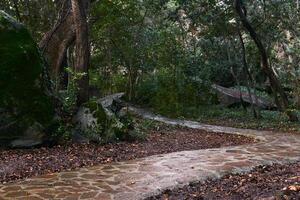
110 101
33 136
21 88
229 97
86 118
92 123
101 121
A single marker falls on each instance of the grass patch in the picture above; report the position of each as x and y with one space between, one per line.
239 118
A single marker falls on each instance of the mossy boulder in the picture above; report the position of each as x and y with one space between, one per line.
102 120
21 92
97 123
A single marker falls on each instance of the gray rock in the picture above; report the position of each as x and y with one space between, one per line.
12 25
108 100
85 119
89 124
98 121
77 137
123 112
25 143
33 136
229 96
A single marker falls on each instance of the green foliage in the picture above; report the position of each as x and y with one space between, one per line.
150 62
164 54
171 94
69 97
97 110
261 94
129 131
38 16
124 128
108 83
237 117
59 131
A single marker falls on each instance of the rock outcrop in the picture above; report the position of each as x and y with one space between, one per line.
22 98
229 97
103 121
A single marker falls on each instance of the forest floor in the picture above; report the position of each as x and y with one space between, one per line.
276 182
19 164
149 176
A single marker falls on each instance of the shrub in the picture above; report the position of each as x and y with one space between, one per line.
171 95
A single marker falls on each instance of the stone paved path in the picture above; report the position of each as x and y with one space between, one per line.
140 178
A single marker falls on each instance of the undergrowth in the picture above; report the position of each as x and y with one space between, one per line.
240 118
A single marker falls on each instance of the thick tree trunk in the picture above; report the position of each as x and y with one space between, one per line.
55 43
82 50
275 84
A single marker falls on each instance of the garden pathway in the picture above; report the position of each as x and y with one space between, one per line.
137 179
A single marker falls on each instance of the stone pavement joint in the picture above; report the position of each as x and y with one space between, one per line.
141 178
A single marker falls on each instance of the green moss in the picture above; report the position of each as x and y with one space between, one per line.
20 73
97 110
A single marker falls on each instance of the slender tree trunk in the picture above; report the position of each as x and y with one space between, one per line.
275 84
130 80
82 50
250 80
235 76
108 72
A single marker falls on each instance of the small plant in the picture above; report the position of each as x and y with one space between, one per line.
69 97
60 131
129 130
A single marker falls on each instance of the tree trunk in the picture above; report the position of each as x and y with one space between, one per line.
55 43
82 50
275 84
250 80
235 76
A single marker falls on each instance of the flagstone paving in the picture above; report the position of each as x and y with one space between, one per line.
137 179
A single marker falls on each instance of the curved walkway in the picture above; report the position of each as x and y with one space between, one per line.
137 179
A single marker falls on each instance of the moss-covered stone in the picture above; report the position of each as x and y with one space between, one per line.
21 65
98 122
97 110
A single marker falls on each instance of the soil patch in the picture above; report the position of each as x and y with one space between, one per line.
277 182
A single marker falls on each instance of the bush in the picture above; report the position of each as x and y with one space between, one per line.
171 95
